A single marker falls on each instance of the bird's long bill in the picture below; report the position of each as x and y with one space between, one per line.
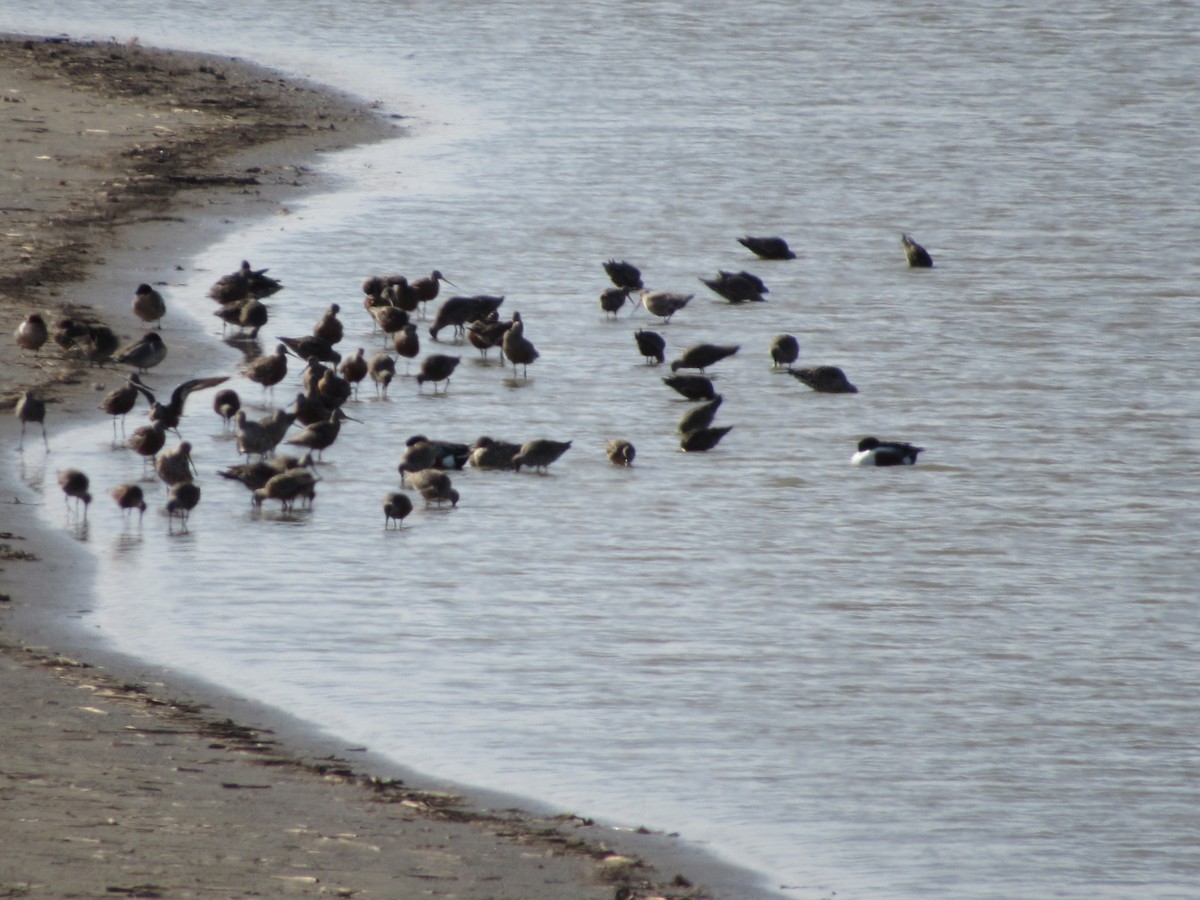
449 282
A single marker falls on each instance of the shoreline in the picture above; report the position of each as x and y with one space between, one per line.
174 168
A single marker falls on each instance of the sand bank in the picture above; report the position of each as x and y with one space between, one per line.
117 778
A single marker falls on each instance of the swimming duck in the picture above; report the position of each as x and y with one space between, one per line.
874 452
918 257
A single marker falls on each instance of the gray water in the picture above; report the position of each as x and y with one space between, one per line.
972 678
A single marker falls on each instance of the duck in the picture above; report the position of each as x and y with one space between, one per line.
701 356
421 453
488 453
874 452
620 452
918 257
143 354
824 379
130 497
767 247
785 350
149 305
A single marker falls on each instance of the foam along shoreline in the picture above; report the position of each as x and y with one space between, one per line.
121 160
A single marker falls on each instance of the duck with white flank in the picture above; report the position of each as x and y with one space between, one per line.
874 452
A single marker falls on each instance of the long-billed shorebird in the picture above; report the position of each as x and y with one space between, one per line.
31 409
435 486
268 370
437 367
701 356
74 485
538 454
396 506
652 345
382 369
518 349
181 500
130 497
664 303
624 275
824 379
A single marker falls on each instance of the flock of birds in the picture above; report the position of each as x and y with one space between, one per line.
329 381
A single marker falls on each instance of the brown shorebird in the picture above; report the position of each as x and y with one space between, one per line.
767 247
664 303
287 487
147 441
354 368
824 379
623 274
918 257
181 500
149 305
488 332
737 287
67 332
389 319
407 343
456 312
437 367
330 328
75 484
785 350
612 299
268 370
119 402
620 452
540 453
245 282
703 439
398 292
701 356
130 497
144 354
30 409
652 345
334 389
226 404
382 369
518 349
32 333
253 437
694 387
309 347
175 466
171 412
321 435
254 475
396 506
427 288
98 345
434 485
700 416
492 454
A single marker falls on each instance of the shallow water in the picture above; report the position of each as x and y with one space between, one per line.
973 678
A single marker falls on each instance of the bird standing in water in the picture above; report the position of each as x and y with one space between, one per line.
30 409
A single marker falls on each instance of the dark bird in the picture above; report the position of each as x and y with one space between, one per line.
30 409
32 333
488 453
456 312
437 367
148 440
329 328
694 387
287 487
119 402
407 343
700 416
664 303
99 343
382 369
171 412
268 370
254 475
312 347
245 282
703 439
321 435
252 316
518 349
427 288
737 287
767 247
396 506
785 350
181 500
389 319
335 389
67 333
620 452
825 379
423 453
400 294
354 368
74 484
624 275
612 299
701 356
130 497
226 404
144 354
652 345
434 485
175 466
540 453
918 257
874 452
149 305
488 332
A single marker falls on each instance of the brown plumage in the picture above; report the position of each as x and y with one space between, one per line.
226 404
382 369
329 327
664 303
175 466
824 379
918 257
149 305
700 416
181 500
74 484
287 487
437 367
701 356
694 387
407 343
434 485
518 349
119 402
130 497
652 345
702 439
540 453
147 440
488 453
396 506
32 333
268 370
620 452
31 409
354 368
456 312
785 350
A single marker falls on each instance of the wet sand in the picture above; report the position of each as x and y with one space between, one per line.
121 779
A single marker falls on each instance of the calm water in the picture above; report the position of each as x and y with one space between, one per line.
974 678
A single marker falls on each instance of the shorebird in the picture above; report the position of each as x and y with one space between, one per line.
422 453
612 299
287 487
130 497
694 387
767 247
540 453
382 369
119 402
652 345
32 333
30 409
458 311
398 292
700 416
737 287
664 303
75 484
785 350
426 289
703 439
321 435
245 282
389 320
354 368
333 388
149 305
620 452
434 485
624 275
437 367
488 332
181 500
171 412
825 379
99 343
874 452
518 349
147 441
226 404
175 466
144 354
254 437
488 453
252 316
918 257
268 370
407 343
701 356
311 347
396 506
254 475
330 328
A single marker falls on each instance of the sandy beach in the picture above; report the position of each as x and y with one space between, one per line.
118 779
